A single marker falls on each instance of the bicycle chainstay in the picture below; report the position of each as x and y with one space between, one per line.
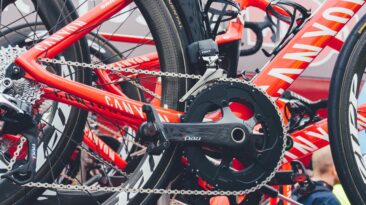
147 190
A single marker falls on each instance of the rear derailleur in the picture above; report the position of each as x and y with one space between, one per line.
16 119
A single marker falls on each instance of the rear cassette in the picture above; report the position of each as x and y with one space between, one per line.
262 141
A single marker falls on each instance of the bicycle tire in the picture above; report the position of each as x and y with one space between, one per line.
171 45
176 38
350 63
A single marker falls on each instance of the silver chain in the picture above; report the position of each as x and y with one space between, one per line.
135 190
138 85
160 191
119 69
16 153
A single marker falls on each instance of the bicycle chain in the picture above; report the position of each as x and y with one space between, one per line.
138 85
16 154
160 191
23 140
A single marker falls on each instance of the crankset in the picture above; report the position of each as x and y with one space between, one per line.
259 140
214 136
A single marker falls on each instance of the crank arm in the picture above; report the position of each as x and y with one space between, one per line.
220 134
25 173
214 134
153 128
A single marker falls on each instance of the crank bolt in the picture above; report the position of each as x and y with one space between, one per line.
16 70
182 118
148 129
238 135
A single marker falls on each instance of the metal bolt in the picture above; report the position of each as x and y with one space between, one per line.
16 70
182 118
258 116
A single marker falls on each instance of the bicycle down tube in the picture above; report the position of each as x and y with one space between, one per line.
275 78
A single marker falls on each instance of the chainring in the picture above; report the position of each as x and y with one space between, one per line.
259 158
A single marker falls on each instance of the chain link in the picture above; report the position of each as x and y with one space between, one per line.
159 191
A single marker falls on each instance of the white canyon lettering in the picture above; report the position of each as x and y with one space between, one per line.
128 108
60 35
306 52
101 146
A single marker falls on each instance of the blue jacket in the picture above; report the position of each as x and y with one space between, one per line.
321 195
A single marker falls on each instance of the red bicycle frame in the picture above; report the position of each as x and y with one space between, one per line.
275 78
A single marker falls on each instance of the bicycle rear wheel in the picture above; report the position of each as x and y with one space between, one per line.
346 117
170 42
53 149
